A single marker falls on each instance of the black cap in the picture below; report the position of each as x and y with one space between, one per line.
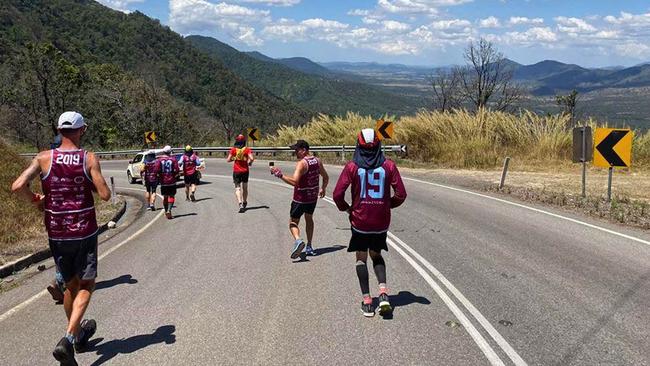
300 144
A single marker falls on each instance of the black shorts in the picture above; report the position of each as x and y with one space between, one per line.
75 258
151 187
298 209
191 179
239 178
360 242
168 190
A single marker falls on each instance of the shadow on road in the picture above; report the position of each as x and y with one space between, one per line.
203 199
203 182
257 208
403 298
123 279
108 350
183 215
326 250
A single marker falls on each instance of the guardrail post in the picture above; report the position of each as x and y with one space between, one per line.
343 153
112 190
503 174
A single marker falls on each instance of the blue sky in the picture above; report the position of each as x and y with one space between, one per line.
419 32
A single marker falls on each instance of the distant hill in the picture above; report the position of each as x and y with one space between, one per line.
327 94
301 64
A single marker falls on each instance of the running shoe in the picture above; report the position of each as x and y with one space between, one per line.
64 353
241 208
309 250
384 305
192 197
297 248
89 327
168 214
367 309
152 208
187 198
245 204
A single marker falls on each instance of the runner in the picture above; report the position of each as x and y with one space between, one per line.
305 181
190 164
150 178
243 158
69 175
168 172
370 175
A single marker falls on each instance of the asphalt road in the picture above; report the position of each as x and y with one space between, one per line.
475 281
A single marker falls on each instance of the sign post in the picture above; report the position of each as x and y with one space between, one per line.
613 149
112 190
583 151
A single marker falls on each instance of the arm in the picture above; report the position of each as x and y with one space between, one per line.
21 184
339 190
326 179
399 195
92 163
230 157
251 158
301 168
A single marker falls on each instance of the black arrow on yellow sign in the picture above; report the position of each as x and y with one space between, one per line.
384 129
150 136
253 134
606 147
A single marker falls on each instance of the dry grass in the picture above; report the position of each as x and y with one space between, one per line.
461 139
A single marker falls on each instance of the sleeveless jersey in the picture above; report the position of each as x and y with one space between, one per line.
189 164
69 203
241 159
306 191
167 168
151 171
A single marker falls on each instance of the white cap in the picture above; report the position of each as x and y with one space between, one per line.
71 120
167 149
368 135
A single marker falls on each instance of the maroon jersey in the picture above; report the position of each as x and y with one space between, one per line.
306 191
150 171
69 203
168 169
189 164
371 196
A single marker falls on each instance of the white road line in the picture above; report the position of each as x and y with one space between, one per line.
488 351
514 356
639 240
25 303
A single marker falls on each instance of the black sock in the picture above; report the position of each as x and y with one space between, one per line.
165 205
380 268
362 273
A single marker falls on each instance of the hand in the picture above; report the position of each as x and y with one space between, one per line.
321 193
38 201
250 163
276 171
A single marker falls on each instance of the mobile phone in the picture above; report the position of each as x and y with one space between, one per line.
271 163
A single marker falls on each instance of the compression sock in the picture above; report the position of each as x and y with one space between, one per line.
362 273
171 203
166 204
380 269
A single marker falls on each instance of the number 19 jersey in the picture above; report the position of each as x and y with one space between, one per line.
371 195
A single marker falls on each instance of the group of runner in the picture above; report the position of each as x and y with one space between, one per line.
165 170
70 175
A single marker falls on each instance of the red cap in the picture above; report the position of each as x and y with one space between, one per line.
240 138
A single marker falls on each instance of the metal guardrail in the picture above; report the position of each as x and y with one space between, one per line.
403 149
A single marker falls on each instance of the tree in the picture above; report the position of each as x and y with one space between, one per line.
446 90
568 104
487 79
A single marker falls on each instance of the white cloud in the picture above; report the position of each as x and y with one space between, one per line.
489 22
525 20
392 25
633 50
630 20
272 2
323 24
574 25
451 24
417 6
121 5
359 12
542 35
